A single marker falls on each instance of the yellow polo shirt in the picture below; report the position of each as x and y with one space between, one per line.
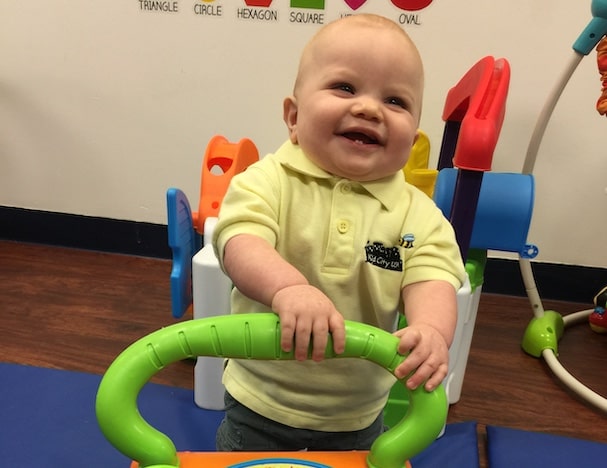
358 242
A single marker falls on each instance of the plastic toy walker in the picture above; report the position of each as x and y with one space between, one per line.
253 336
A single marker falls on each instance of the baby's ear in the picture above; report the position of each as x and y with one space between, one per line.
289 106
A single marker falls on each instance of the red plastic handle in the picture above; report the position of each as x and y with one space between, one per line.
478 101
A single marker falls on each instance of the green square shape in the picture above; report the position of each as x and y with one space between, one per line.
316 4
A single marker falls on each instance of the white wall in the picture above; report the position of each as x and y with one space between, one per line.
104 105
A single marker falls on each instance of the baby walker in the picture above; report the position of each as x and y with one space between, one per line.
547 327
253 336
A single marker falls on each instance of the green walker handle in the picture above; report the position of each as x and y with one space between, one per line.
249 336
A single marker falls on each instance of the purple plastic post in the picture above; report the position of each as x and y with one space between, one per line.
447 148
463 209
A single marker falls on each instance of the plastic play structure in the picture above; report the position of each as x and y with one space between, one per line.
252 336
547 327
489 211
196 278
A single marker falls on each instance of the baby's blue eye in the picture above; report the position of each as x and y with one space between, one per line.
348 88
394 101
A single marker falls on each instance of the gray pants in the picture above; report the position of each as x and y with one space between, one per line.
245 430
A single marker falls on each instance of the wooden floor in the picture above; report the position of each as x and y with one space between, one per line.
76 310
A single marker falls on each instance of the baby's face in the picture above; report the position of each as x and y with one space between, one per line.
357 102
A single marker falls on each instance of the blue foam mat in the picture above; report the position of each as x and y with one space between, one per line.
507 448
48 420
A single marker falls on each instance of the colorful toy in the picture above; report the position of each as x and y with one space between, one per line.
416 170
196 278
601 61
222 160
598 317
252 336
473 114
228 159
547 327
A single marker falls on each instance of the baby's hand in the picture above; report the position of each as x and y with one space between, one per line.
308 314
428 357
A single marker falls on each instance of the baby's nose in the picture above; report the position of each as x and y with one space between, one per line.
367 108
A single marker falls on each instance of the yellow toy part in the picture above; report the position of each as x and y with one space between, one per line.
416 170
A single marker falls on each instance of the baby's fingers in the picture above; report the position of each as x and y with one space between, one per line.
408 366
429 373
437 377
409 338
320 336
287 334
338 333
302 339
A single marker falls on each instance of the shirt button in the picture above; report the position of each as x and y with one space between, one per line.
346 188
343 226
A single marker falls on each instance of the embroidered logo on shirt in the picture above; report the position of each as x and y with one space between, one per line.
384 257
406 241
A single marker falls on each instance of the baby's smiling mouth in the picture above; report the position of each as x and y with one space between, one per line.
361 138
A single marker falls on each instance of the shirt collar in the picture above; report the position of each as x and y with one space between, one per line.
388 190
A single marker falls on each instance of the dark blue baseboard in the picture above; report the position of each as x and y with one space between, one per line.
571 283
84 232
555 281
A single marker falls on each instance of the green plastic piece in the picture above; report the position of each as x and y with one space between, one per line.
397 405
249 336
475 267
543 333
398 402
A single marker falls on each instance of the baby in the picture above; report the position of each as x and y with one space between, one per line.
327 229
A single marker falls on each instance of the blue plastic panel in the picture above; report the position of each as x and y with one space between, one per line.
504 209
184 243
